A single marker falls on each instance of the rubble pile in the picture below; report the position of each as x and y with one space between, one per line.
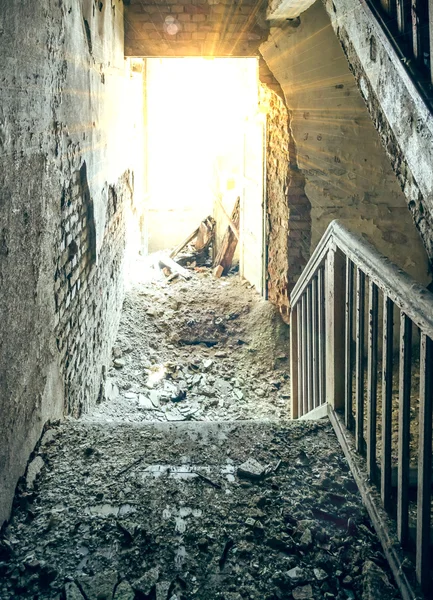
224 511
202 349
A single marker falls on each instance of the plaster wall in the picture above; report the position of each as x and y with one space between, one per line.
337 150
62 164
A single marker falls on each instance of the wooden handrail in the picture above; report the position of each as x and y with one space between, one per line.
406 293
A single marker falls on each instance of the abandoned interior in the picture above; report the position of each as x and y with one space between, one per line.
216 348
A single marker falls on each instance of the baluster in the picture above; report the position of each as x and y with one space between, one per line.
309 350
403 11
321 316
304 354
424 463
294 361
335 299
430 24
373 311
300 350
348 411
315 344
360 330
387 366
416 33
404 429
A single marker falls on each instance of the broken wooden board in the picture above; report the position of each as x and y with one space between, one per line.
182 245
226 252
166 261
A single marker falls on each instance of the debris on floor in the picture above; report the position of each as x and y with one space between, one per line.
160 511
224 258
201 349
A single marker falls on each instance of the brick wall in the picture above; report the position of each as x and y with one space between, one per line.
194 27
88 294
288 208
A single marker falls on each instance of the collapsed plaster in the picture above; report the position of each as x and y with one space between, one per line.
61 139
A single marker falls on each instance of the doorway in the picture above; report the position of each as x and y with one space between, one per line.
204 150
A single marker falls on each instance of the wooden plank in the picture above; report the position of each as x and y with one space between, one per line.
360 345
304 354
294 361
387 366
300 350
334 306
322 334
309 350
315 340
424 464
348 359
373 310
232 224
227 250
404 429
182 245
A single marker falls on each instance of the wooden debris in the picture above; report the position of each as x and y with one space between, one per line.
203 236
218 271
166 261
226 252
182 245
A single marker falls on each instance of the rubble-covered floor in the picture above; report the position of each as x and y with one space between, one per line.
149 497
163 511
202 349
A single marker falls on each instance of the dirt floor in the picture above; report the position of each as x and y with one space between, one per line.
188 481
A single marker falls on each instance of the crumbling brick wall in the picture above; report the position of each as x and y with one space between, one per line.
88 293
194 27
288 208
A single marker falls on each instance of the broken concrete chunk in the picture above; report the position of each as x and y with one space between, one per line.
33 471
124 592
119 363
100 586
306 539
251 469
145 403
375 582
72 592
320 574
296 573
303 593
147 582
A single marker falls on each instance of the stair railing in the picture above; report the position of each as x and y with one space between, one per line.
338 358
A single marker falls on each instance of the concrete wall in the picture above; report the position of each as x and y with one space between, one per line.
399 112
336 147
194 27
65 184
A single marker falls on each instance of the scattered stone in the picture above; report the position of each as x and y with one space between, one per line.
33 471
119 363
320 574
375 582
221 354
124 592
145 403
99 586
303 593
306 539
72 592
296 573
251 469
147 582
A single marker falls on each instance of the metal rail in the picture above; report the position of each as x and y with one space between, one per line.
335 330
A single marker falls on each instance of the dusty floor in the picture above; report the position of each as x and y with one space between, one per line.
144 499
203 349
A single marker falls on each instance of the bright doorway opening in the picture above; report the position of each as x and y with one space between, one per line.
204 151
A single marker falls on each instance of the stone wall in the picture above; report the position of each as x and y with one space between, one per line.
194 27
65 188
335 146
